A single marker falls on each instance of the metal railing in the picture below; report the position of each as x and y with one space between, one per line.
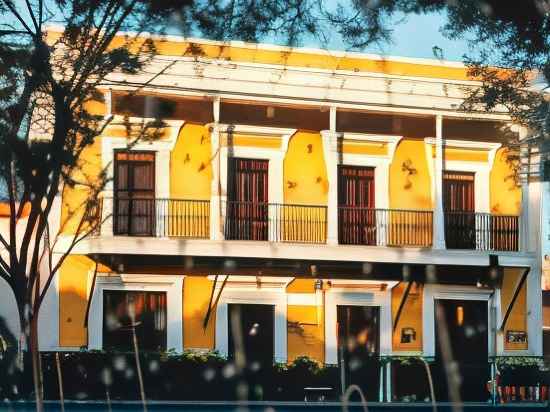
161 217
481 231
275 222
384 227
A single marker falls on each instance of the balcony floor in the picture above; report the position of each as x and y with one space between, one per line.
125 245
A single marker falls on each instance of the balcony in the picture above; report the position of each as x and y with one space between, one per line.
275 222
385 227
307 224
481 231
161 217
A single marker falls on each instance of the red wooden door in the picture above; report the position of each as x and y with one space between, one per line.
459 206
356 213
247 205
134 182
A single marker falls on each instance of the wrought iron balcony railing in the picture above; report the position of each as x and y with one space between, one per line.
161 217
275 222
481 231
385 227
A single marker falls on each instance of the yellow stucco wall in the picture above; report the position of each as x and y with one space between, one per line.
73 298
518 317
301 286
196 297
466 155
305 173
190 166
410 182
411 316
306 332
505 194
75 198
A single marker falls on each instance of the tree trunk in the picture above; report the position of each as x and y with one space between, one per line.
36 364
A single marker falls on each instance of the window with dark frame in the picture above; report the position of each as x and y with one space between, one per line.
134 194
356 212
127 311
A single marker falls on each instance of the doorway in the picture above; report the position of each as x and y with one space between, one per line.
459 207
247 199
134 193
257 333
359 347
468 332
356 212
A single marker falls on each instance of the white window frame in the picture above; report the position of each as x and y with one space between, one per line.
481 170
275 156
161 148
366 293
433 292
172 285
334 158
244 290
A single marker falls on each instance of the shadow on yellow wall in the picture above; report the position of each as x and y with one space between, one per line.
505 194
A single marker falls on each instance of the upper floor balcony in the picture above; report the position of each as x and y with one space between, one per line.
292 223
271 192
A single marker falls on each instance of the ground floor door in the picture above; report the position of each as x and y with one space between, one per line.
467 326
359 348
251 330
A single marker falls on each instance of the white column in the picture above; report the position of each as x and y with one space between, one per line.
107 210
524 218
215 203
332 118
162 191
330 149
438 218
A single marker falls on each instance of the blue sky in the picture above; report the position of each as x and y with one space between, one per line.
414 36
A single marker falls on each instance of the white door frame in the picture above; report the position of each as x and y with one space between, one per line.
258 291
459 292
360 296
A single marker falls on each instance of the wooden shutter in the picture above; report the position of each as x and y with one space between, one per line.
356 213
458 192
134 183
247 208
459 206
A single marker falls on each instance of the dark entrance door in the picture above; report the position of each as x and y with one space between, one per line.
134 200
467 327
359 347
459 207
356 213
247 199
256 323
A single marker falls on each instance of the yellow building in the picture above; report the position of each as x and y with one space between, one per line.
334 201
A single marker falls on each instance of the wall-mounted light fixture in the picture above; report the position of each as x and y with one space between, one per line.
290 184
310 148
187 158
460 315
202 167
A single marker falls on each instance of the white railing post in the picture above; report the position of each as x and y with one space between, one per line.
215 198
106 215
439 218
330 148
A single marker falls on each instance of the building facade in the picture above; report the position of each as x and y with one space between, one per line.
334 203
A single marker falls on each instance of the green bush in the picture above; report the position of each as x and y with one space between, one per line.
190 375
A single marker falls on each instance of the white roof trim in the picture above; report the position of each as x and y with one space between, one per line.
466 144
274 47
